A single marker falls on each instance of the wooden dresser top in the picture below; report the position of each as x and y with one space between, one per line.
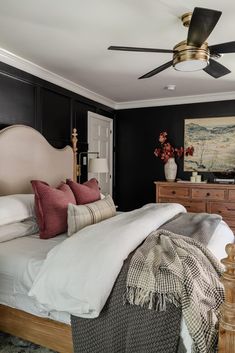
201 185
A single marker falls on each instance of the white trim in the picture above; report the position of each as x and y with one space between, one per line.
101 117
36 70
176 100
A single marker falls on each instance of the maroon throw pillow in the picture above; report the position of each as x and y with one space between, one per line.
51 205
86 192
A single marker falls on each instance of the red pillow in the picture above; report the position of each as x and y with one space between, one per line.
86 192
51 205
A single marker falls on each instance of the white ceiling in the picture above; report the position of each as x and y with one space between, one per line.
70 38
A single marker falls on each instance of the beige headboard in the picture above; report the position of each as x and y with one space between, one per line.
25 155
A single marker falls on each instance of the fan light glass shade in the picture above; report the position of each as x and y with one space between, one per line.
98 165
190 58
191 65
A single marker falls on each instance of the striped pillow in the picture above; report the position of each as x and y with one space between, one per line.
80 216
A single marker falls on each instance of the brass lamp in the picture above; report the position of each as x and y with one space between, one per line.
95 165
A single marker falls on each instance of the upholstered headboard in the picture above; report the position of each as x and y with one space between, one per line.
25 155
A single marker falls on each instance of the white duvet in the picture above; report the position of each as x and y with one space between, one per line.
78 274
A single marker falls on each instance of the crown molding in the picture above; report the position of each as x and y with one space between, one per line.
36 70
176 100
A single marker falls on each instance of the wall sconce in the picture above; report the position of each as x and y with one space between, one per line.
96 165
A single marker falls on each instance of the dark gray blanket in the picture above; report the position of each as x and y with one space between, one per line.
199 226
126 328
134 329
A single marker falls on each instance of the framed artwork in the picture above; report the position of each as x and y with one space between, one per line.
213 140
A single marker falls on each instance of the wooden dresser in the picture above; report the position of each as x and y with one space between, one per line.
200 197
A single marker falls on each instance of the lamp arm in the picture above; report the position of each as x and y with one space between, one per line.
79 162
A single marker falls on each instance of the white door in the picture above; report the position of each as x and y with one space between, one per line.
100 139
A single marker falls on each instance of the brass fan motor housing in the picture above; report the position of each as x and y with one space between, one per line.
184 52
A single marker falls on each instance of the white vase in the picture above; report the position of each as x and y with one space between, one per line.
170 169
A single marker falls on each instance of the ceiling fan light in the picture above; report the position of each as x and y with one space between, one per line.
191 65
190 58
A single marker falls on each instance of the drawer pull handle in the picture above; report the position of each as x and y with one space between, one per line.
230 209
207 194
173 192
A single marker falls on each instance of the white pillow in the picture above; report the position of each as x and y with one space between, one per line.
16 208
80 216
18 229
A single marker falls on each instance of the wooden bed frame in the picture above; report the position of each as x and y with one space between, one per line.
48 333
227 320
58 336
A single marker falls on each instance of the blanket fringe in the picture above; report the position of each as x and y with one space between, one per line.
151 300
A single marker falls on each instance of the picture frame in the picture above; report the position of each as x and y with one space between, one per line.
213 140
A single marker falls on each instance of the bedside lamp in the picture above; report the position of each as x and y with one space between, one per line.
98 165
95 165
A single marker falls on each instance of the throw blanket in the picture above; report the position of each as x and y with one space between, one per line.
170 268
131 328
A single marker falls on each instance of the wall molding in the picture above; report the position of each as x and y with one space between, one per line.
36 70
224 96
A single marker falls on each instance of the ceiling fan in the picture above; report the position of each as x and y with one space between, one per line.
194 53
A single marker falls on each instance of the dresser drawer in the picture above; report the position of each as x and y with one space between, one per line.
231 195
191 206
208 194
225 209
175 192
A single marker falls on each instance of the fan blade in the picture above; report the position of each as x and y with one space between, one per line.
222 48
113 47
157 70
216 70
201 25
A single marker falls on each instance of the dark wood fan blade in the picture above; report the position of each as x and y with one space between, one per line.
147 50
157 70
222 48
201 25
216 70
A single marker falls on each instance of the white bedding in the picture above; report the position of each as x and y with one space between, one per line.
78 275
21 260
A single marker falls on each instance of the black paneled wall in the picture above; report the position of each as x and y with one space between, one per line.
137 132
53 110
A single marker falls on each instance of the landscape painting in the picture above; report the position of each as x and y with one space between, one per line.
213 140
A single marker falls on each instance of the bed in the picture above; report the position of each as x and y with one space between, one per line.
21 315
27 155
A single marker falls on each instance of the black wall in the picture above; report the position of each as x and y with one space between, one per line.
52 110
137 132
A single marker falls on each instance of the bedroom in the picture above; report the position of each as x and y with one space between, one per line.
38 98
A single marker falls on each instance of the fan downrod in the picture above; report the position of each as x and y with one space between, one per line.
186 18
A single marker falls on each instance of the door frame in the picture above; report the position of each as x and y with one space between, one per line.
90 116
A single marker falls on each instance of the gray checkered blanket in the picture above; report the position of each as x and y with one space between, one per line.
187 276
